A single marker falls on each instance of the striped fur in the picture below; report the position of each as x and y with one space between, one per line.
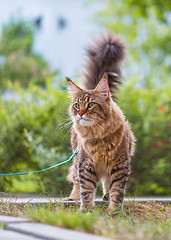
104 138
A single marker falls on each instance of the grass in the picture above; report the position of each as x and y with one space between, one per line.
138 221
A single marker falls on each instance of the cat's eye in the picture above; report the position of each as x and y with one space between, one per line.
77 106
91 105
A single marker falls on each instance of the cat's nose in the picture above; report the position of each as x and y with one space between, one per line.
81 112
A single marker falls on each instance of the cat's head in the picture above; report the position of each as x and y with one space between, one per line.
90 108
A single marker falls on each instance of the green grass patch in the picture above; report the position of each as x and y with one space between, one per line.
138 221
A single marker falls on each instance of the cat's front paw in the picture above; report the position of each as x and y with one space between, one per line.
70 199
67 199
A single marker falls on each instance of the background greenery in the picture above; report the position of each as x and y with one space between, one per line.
35 125
20 64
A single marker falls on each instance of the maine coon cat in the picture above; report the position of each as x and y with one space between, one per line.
103 137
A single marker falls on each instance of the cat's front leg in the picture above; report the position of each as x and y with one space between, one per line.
119 178
88 181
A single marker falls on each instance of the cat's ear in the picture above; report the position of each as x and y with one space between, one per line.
73 87
103 86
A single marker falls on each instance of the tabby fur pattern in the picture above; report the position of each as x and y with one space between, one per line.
100 131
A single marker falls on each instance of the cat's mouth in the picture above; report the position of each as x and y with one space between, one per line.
84 121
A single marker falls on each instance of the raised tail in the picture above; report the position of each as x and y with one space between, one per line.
106 55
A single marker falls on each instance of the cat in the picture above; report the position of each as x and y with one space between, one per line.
104 139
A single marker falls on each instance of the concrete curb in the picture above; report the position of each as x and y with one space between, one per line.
24 229
8 235
43 200
44 231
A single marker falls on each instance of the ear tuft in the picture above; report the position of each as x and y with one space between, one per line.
68 79
73 87
105 76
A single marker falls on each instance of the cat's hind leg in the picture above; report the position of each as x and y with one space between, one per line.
75 193
73 177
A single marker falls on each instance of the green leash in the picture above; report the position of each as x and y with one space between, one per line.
45 169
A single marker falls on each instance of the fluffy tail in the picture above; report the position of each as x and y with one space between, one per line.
105 55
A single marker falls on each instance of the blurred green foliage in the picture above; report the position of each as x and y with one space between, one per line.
142 8
18 63
145 27
34 134
149 112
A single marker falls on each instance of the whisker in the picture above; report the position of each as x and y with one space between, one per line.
65 120
100 119
98 125
69 130
64 127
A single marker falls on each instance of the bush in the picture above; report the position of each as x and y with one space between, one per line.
19 63
32 136
149 112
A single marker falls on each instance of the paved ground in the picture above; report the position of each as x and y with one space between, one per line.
22 229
